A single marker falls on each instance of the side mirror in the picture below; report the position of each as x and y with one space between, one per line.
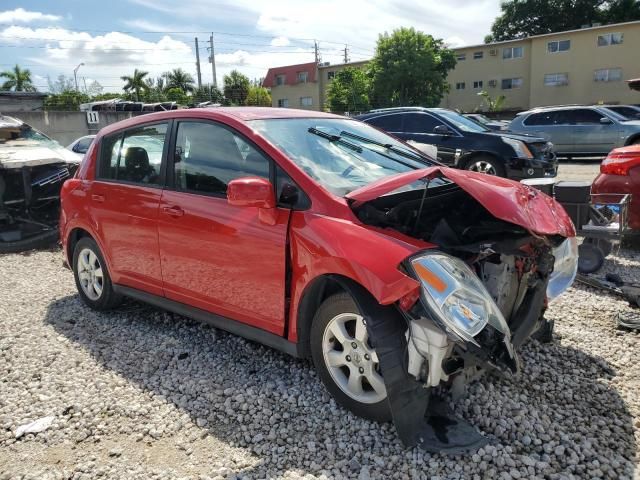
606 121
442 130
251 192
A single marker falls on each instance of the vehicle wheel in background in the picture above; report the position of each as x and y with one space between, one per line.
485 164
92 276
590 258
345 361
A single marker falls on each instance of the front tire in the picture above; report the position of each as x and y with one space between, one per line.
345 361
92 276
485 164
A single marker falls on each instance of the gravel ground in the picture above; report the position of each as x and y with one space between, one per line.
141 393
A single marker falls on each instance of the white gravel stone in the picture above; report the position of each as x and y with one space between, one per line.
144 394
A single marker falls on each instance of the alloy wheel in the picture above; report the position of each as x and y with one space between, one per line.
350 360
90 274
482 166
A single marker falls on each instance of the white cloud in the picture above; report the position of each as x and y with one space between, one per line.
20 15
454 42
280 42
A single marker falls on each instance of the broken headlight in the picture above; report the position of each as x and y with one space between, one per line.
564 268
456 297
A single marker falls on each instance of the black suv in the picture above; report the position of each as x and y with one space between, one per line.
459 142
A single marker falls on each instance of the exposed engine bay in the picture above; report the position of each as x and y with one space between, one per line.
484 289
32 170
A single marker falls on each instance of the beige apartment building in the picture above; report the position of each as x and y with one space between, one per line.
589 65
585 66
304 85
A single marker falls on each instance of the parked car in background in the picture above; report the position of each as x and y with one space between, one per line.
81 145
488 122
291 227
632 112
620 173
32 170
463 143
579 131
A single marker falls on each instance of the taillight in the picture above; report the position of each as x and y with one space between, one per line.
619 163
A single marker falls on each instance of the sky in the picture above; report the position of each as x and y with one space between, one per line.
114 37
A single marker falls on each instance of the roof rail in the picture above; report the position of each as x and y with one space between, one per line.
392 109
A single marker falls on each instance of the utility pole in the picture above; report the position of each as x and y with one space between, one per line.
315 52
212 59
198 64
346 54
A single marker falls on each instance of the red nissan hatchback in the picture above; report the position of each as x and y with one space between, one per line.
320 236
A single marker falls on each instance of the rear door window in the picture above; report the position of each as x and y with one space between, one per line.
542 118
208 156
134 156
419 123
579 116
389 123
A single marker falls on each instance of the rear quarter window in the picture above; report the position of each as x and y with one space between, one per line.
390 123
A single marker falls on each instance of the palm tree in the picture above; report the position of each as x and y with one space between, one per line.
178 78
18 80
135 82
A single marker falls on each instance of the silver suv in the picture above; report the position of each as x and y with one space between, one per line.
579 131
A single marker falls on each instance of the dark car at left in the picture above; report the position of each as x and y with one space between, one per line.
460 142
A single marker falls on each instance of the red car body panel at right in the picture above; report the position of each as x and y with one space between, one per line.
620 173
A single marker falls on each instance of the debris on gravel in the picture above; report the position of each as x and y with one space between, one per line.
141 393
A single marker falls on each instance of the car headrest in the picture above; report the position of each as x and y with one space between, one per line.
136 158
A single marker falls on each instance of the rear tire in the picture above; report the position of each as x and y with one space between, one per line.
92 276
345 361
485 164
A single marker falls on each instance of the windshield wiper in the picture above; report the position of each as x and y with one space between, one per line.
335 139
400 151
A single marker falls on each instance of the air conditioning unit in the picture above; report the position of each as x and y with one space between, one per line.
493 52
493 83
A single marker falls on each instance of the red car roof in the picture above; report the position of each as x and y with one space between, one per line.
242 114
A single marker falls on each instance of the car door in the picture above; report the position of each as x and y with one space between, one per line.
418 129
554 126
590 135
217 257
124 200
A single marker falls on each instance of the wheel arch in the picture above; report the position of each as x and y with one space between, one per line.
632 139
73 238
316 292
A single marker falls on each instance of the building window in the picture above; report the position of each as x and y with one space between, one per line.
559 46
512 52
608 75
330 75
610 39
280 80
461 56
510 83
306 101
302 77
477 84
283 102
478 55
556 79
460 86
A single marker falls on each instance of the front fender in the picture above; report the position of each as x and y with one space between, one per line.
330 246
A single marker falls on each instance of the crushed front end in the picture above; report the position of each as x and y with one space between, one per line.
483 289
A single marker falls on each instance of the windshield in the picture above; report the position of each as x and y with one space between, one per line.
340 154
461 122
24 135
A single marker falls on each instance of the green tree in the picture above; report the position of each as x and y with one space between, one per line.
18 80
236 87
177 95
135 82
409 68
349 91
523 18
178 78
492 104
68 101
207 93
258 96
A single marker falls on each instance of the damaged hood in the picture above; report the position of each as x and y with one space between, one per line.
505 199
